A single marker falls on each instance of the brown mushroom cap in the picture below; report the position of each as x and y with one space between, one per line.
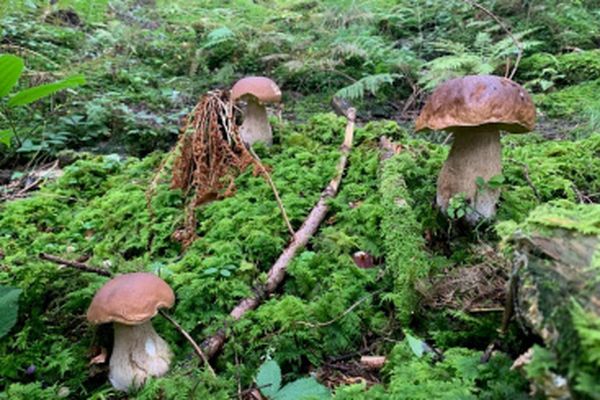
130 299
264 89
478 100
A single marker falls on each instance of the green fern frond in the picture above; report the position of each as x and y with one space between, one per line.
218 36
371 83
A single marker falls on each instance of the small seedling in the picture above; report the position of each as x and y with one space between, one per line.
224 271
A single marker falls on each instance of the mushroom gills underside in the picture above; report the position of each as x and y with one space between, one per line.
138 353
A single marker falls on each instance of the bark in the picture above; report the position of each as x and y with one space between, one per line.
555 274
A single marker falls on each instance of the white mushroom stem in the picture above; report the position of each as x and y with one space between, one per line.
476 152
137 354
256 127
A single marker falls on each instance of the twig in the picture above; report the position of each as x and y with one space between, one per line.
485 310
277 272
525 168
186 335
372 362
508 32
273 188
74 264
447 140
342 315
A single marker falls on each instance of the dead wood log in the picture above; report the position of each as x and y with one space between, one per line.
213 344
556 289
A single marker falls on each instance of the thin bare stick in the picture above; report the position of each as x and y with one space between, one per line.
342 315
213 344
74 264
273 188
186 335
508 32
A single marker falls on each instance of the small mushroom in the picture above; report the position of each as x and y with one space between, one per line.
256 91
475 109
130 301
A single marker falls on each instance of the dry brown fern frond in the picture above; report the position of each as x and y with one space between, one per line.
210 154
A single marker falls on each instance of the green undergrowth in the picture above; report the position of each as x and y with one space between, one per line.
146 62
459 375
98 210
569 68
573 101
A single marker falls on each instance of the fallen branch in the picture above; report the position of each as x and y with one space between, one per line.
74 264
276 274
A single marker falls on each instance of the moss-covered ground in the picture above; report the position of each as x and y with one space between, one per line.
144 77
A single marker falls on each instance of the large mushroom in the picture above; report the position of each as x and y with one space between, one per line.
475 109
130 301
256 91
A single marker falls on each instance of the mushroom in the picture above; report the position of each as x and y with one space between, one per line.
475 109
130 301
256 91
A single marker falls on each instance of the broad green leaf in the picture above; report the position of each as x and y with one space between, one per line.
10 71
9 308
30 95
416 345
225 273
496 181
480 182
5 137
303 389
268 379
210 271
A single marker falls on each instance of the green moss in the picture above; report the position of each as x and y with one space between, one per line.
406 258
571 68
561 214
555 169
459 375
573 101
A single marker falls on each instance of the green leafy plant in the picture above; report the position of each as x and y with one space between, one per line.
268 381
482 56
9 308
495 182
225 271
11 68
458 206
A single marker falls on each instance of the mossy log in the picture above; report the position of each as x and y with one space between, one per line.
556 289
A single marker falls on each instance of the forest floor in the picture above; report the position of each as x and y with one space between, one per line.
430 299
